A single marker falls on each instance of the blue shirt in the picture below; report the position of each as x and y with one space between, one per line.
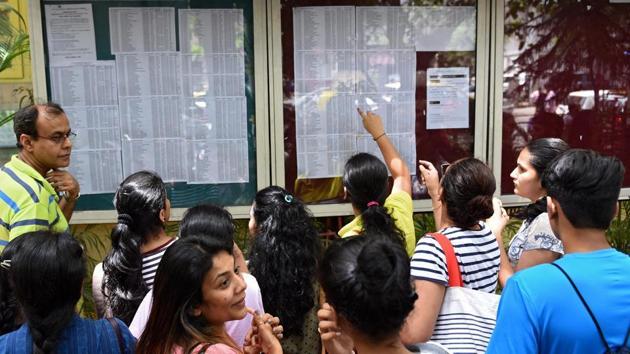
540 312
82 336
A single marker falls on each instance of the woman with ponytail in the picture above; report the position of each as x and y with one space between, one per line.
283 257
463 200
369 296
535 242
138 243
365 182
47 271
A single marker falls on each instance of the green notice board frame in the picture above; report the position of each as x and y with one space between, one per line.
98 208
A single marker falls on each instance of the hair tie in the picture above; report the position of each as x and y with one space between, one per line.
125 219
6 264
288 198
372 203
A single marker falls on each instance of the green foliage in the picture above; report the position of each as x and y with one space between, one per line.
561 38
423 223
619 231
13 40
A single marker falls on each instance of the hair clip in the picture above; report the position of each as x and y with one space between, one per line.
6 264
288 198
372 203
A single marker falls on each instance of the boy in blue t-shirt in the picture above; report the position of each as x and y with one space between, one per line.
540 312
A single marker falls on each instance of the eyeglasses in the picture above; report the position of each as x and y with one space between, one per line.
60 138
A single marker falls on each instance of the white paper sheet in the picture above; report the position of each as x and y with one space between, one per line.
213 95
218 161
70 33
384 27
339 67
97 171
447 98
151 117
163 156
148 74
142 29
444 28
216 118
210 31
84 84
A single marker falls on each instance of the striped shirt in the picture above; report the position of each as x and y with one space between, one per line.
151 260
80 337
27 202
477 253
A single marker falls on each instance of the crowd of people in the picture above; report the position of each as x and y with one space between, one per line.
374 290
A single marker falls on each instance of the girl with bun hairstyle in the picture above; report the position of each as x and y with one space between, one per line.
366 282
461 201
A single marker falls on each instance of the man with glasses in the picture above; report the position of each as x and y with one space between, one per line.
34 193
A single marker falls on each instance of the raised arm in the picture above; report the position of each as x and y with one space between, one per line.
396 165
431 179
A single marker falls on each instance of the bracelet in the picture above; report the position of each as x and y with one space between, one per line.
378 137
67 197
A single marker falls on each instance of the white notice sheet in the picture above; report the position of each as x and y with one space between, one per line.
148 74
326 121
87 92
386 60
339 67
447 98
444 28
163 156
84 84
97 171
213 95
142 29
70 33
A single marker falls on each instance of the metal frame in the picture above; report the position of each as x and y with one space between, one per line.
261 110
277 123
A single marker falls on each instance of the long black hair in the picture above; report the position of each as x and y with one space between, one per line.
366 280
467 189
10 316
139 201
47 272
284 256
365 179
541 153
178 289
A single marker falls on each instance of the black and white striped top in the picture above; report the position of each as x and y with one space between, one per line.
151 260
477 253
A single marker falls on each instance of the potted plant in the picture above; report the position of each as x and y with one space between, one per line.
14 41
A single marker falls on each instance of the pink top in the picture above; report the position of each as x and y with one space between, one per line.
213 349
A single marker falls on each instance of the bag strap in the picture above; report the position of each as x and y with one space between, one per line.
452 266
119 337
588 309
